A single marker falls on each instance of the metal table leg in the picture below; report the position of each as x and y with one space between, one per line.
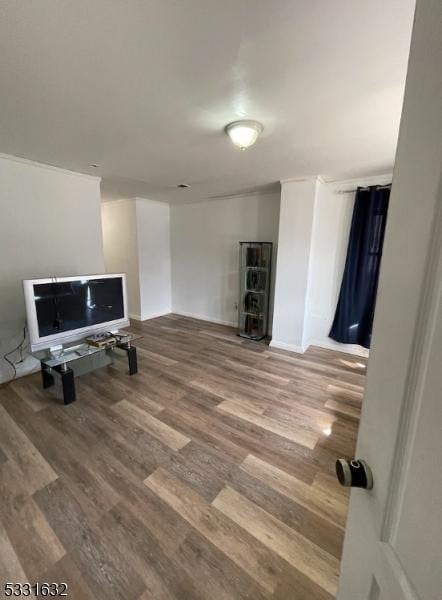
131 352
67 382
46 377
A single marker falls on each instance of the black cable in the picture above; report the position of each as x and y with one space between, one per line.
10 362
22 348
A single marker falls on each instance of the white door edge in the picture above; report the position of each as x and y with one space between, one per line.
391 576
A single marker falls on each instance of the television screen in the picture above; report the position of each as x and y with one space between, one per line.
67 305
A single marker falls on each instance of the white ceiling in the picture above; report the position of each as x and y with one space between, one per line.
144 88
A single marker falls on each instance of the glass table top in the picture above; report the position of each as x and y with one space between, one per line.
80 350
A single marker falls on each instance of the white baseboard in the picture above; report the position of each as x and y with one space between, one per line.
289 347
146 317
204 318
346 348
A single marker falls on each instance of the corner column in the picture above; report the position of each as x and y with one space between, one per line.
293 262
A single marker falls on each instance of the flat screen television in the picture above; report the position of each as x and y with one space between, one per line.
60 310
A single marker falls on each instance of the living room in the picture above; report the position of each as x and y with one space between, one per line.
233 185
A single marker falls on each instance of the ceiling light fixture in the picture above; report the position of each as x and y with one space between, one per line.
183 185
244 133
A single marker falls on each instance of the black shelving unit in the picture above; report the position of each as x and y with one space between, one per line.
255 262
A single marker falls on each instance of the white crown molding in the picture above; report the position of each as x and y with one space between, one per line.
117 201
363 178
258 193
32 163
300 179
245 194
352 181
162 202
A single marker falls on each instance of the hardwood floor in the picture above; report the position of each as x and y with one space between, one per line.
209 475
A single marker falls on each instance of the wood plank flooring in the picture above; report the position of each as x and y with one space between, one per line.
208 475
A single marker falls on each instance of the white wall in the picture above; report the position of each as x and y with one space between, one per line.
205 251
120 246
50 224
153 233
292 275
331 228
136 236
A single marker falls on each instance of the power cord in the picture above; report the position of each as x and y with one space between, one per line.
16 349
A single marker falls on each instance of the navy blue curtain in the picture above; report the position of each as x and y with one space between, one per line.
353 320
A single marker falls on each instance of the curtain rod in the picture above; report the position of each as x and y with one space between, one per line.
379 187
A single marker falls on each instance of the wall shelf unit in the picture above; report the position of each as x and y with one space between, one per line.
255 260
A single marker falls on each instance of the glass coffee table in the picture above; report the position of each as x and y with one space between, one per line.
80 358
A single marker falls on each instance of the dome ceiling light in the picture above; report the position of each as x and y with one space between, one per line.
244 133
